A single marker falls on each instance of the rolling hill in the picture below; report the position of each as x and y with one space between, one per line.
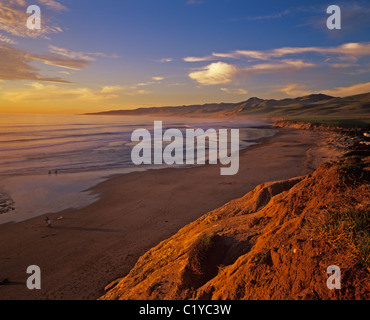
314 105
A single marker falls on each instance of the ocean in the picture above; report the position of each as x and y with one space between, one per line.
48 162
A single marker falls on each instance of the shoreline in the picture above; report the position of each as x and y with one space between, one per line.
93 246
67 190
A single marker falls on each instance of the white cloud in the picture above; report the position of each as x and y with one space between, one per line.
123 90
112 89
143 84
215 73
164 60
351 49
282 65
234 91
198 59
156 80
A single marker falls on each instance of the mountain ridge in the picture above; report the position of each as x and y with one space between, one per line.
305 106
222 108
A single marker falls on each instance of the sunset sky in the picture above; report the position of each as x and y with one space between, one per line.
101 55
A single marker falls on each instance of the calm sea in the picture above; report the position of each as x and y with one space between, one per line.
84 150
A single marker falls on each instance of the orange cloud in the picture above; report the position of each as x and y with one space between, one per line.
349 91
87 56
6 39
50 92
41 92
238 91
295 90
13 17
52 4
16 64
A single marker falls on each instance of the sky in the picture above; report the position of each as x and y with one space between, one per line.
100 55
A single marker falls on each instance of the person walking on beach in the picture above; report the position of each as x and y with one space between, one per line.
48 222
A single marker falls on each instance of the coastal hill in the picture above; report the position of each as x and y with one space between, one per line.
276 242
310 105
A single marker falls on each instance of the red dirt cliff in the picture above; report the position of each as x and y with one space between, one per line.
276 242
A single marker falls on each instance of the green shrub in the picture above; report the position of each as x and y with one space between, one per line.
349 229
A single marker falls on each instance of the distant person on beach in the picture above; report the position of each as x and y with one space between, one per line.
48 222
49 172
56 172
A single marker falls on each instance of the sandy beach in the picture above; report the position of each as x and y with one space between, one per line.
90 247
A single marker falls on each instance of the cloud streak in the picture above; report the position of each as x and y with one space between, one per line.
16 65
87 56
277 15
49 92
13 19
348 91
348 49
223 67
37 91
52 4
238 91
6 39
295 90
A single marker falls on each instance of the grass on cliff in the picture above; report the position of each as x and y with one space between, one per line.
348 229
352 170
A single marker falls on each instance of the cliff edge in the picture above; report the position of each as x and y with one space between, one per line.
276 242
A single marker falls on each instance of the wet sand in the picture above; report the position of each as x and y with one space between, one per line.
90 247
